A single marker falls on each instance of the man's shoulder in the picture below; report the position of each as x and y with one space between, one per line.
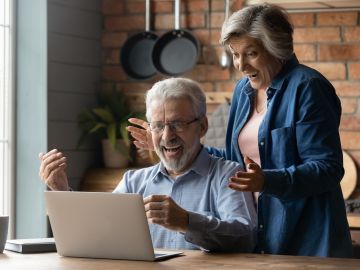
143 172
221 164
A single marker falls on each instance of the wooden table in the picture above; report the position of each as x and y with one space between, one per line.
191 260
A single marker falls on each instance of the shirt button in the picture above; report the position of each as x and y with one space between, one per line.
262 143
261 226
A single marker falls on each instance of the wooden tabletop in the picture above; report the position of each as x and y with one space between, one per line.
191 260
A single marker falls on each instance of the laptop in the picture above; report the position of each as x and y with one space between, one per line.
101 225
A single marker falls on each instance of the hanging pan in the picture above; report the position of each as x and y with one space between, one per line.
177 51
136 53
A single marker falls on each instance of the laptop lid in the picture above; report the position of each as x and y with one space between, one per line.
100 225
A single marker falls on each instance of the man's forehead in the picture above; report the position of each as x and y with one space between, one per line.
174 108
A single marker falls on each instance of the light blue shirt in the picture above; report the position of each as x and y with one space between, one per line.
220 219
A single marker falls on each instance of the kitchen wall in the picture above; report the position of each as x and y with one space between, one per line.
74 73
326 41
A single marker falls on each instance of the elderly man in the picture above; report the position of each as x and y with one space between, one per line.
187 199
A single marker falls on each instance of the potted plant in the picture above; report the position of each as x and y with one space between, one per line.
107 122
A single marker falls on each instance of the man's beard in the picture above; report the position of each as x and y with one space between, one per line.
174 164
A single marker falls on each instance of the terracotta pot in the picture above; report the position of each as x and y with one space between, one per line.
113 158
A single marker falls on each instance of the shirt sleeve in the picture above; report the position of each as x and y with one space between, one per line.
231 228
216 151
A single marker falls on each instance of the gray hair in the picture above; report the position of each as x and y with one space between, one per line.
174 88
267 23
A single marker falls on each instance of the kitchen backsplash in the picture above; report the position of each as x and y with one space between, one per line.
326 41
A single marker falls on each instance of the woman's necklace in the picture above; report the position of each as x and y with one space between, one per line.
259 106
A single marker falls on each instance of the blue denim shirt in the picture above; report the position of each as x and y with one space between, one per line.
220 219
301 210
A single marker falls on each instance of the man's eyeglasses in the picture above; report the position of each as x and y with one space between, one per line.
176 126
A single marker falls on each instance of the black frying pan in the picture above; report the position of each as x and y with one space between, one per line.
176 51
136 54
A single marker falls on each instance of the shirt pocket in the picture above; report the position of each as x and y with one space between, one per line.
284 149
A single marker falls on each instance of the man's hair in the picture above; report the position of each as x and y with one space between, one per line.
269 24
175 88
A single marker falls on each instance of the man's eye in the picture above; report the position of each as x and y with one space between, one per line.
177 124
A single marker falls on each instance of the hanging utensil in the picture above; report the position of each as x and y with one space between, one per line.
136 54
177 51
225 60
209 53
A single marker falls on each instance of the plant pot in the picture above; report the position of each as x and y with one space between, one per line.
113 158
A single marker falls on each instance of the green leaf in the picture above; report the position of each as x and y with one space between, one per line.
111 133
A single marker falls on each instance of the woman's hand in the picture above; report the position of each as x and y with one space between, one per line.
142 136
251 180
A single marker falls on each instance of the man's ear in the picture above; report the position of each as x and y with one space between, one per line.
204 125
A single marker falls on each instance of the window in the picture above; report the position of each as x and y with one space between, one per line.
6 107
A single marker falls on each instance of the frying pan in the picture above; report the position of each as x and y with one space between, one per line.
177 51
136 53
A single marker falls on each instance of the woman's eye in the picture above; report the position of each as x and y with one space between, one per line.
251 54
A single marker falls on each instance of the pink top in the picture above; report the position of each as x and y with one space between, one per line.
248 137
248 140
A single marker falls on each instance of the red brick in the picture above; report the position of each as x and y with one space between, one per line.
203 73
332 71
336 52
347 88
167 22
207 87
302 19
352 34
305 52
136 87
162 6
354 71
113 40
195 5
113 73
350 122
111 57
125 23
349 105
112 7
337 18
350 140
217 19
316 34
218 5
226 86
135 7
237 4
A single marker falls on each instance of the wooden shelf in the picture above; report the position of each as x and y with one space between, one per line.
354 220
102 179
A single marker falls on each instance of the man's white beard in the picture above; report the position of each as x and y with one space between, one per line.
173 164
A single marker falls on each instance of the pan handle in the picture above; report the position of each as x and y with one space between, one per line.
226 9
147 15
177 14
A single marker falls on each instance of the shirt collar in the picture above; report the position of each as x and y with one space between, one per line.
200 166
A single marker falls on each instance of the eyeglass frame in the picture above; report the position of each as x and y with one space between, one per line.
172 125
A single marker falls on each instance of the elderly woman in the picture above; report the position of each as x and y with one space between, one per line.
283 128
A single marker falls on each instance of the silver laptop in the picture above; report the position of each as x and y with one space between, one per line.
101 225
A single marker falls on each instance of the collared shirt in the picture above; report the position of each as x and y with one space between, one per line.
220 219
301 209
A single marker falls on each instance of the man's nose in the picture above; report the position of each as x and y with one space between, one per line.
168 133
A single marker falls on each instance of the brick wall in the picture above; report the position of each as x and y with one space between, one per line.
327 41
